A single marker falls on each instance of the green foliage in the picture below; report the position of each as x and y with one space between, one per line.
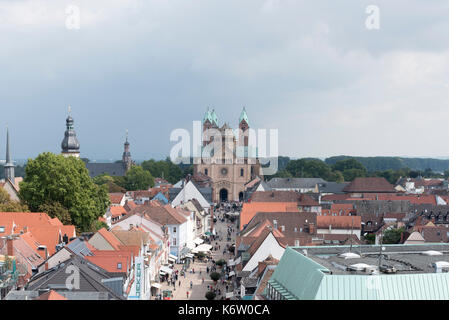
220 262
56 210
97 225
109 181
282 174
102 179
210 295
138 179
54 178
351 174
8 205
309 168
370 238
392 236
215 276
165 169
373 164
347 164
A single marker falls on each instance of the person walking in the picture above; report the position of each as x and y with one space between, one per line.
187 294
191 284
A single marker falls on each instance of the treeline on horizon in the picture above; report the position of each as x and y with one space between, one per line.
347 168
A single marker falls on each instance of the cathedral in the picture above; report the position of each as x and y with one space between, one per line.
71 147
235 165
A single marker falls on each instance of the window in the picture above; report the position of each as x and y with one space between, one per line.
283 228
205 171
275 223
174 242
174 229
296 229
119 266
2 229
296 243
241 172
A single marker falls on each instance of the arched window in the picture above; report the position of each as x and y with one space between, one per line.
241 172
206 171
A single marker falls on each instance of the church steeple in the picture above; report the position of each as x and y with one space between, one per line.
9 165
70 145
126 158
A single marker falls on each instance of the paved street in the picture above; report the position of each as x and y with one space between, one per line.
199 288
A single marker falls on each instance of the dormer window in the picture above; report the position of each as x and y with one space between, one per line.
119 266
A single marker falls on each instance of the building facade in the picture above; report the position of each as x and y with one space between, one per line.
234 164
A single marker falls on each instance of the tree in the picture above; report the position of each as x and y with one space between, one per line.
165 169
215 276
346 164
210 295
105 179
8 205
54 178
137 178
220 262
351 174
309 168
56 210
392 236
97 225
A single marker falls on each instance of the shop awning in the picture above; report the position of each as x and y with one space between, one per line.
190 245
166 269
156 285
198 241
237 261
172 257
232 273
189 255
229 295
231 263
203 247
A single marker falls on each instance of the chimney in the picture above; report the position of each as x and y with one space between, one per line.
10 246
46 265
312 228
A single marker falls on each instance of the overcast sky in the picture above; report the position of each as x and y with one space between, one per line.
311 69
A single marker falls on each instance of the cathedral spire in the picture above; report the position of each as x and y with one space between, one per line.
9 165
244 116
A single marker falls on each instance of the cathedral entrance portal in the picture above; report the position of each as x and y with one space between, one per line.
223 195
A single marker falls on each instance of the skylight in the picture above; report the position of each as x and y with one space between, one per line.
349 255
432 253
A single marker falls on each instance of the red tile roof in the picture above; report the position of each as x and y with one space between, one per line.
370 184
250 209
116 197
339 222
51 295
117 211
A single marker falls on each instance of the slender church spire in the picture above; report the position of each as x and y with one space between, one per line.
126 158
9 165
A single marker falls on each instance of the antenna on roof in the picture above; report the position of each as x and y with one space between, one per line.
350 239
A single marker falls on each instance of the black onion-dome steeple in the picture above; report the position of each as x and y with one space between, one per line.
70 144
